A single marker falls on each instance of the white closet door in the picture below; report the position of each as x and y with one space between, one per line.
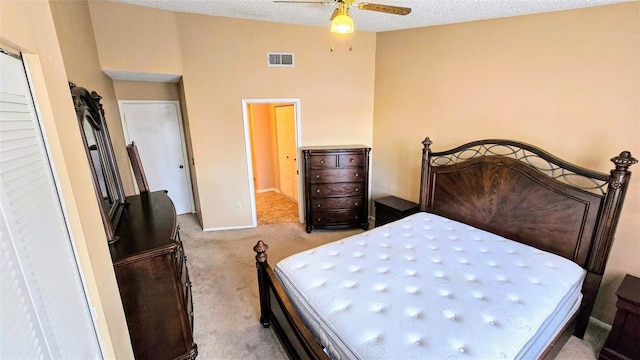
45 311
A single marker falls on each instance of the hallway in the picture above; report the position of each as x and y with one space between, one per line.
275 208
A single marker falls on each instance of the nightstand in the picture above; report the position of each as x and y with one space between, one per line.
624 339
392 208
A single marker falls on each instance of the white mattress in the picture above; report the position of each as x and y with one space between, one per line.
426 287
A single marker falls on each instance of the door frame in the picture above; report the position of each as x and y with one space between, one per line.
185 155
249 150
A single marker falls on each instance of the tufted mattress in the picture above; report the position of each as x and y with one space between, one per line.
426 287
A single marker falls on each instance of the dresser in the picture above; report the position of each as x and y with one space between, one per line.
153 278
336 186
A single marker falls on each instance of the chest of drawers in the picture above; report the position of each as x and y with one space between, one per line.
336 186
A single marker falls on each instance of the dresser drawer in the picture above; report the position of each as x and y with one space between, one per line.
342 189
336 217
320 161
351 202
336 175
350 160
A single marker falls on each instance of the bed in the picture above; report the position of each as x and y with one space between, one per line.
524 236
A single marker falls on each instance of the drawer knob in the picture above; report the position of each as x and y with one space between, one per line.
319 219
318 205
351 160
317 176
356 203
321 161
356 190
318 191
356 217
357 174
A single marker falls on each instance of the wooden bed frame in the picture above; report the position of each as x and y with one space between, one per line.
508 188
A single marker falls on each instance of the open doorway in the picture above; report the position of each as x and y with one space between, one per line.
272 131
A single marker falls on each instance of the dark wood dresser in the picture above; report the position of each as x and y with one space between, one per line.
336 186
151 270
624 339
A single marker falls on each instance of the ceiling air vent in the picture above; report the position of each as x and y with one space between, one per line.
280 59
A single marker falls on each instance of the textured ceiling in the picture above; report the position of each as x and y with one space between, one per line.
424 12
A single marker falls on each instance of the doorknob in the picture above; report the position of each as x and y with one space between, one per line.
181 166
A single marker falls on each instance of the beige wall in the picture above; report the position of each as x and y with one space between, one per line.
263 147
568 82
28 26
224 61
78 47
187 138
136 39
145 90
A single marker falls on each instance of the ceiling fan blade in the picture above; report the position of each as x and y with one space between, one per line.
304 2
396 10
335 13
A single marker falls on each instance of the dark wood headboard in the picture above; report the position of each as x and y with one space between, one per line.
528 195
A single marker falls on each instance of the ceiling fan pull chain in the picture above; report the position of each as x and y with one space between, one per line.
332 47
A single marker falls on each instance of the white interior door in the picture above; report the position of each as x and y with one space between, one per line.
156 128
287 159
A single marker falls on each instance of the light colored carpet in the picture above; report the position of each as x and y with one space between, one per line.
225 291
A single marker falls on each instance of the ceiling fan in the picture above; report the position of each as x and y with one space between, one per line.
341 23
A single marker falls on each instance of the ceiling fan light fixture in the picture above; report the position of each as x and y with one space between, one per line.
342 24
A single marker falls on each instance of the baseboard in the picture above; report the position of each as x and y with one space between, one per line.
229 228
600 323
266 190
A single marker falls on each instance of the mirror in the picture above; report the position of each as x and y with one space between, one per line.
102 162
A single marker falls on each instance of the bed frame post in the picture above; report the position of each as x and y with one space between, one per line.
610 214
612 206
425 175
263 287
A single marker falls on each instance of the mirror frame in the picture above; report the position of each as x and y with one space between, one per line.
89 111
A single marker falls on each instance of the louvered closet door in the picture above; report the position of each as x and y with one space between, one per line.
44 308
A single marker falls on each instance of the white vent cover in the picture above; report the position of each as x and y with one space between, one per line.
280 59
